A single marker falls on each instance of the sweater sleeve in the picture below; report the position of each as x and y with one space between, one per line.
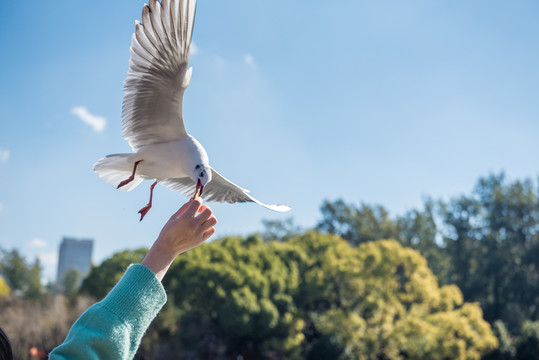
113 327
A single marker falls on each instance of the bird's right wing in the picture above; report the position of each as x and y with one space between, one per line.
158 73
219 189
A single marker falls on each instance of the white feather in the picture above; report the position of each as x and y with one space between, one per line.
116 168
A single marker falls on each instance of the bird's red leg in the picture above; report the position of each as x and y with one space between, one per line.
145 209
131 178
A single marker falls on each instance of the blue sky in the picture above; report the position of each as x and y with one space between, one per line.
371 101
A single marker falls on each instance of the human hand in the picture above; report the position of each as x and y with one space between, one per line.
184 231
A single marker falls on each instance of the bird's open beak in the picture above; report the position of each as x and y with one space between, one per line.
198 191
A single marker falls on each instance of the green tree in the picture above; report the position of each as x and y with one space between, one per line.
70 283
34 288
528 342
381 301
101 279
493 242
316 296
235 297
418 229
356 225
279 230
20 276
14 270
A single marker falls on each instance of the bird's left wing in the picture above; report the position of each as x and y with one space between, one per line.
158 73
219 189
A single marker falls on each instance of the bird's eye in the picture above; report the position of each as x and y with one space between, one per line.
197 167
201 174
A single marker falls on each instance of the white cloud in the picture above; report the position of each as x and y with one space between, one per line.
97 122
38 243
4 155
194 49
249 60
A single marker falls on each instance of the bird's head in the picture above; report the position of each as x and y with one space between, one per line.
201 176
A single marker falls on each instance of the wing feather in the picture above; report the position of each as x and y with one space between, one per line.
157 76
219 189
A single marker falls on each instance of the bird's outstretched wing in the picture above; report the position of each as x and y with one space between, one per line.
158 73
219 189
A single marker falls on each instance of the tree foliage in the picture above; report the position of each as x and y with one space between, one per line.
357 225
101 279
20 276
280 230
486 243
14 270
240 290
492 239
386 304
313 296
522 347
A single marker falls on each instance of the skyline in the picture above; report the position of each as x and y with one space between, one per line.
303 102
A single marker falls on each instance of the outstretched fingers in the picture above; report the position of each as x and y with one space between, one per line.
208 224
192 207
207 234
207 221
200 216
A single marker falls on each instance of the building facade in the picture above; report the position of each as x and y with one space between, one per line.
74 254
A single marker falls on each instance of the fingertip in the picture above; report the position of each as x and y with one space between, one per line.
205 213
194 206
209 223
197 201
208 234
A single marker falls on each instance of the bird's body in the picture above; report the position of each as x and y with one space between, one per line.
174 159
152 119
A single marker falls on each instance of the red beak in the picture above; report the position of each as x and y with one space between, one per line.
198 191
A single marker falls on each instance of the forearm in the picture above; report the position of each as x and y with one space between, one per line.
113 328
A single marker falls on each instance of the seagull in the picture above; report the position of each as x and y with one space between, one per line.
152 119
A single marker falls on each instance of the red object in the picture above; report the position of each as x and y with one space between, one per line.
40 354
131 178
145 209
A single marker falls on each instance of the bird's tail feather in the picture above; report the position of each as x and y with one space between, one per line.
116 168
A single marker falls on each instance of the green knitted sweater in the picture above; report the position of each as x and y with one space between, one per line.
113 327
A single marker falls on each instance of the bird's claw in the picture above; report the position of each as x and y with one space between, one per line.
144 211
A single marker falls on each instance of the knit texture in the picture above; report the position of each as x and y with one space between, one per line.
113 327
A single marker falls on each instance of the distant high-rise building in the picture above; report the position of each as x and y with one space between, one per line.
74 254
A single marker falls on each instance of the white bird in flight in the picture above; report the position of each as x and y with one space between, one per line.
152 119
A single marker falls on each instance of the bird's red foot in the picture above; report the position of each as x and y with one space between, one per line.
144 211
131 178
147 208
125 182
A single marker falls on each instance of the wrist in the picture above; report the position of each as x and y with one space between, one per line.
158 261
